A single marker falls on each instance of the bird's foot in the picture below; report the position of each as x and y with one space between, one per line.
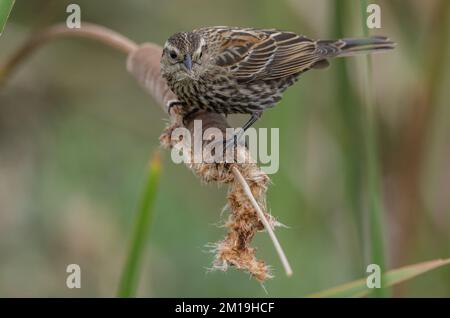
174 103
186 116
234 140
231 142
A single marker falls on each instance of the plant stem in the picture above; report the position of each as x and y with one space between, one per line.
358 288
264 221
128 283
373 171
350 131
87 30
5 9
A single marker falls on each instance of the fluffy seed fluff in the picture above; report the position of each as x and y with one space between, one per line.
243 223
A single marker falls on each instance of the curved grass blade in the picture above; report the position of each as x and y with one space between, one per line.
130 274
5 9
358 288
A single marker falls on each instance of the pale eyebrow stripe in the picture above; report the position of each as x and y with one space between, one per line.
169 46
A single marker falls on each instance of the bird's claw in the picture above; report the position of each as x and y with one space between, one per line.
173 103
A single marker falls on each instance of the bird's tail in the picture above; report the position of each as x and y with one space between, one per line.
354 46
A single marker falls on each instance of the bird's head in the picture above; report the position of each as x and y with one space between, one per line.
183 56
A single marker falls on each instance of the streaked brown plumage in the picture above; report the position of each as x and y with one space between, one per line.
243 70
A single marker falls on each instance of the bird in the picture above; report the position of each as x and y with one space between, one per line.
231 70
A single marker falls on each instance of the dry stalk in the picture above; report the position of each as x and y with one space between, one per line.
238 176
247 182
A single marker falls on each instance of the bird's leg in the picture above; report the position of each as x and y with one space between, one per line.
234 139
254 117
174 102
237 136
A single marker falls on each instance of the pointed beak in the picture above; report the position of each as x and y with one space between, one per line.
188 61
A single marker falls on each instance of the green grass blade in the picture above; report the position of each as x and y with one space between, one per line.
5 9
358 288
373 172
130 274
349 112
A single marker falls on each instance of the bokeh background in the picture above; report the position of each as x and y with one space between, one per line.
76 133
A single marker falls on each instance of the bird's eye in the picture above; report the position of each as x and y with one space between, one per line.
173 54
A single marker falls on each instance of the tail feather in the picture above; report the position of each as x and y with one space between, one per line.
354 46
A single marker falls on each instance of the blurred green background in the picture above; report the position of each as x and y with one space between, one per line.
76 133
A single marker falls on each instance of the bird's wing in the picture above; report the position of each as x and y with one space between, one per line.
253 54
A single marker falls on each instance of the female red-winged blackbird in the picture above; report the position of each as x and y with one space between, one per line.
243 70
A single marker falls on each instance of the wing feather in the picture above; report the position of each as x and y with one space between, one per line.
263 54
